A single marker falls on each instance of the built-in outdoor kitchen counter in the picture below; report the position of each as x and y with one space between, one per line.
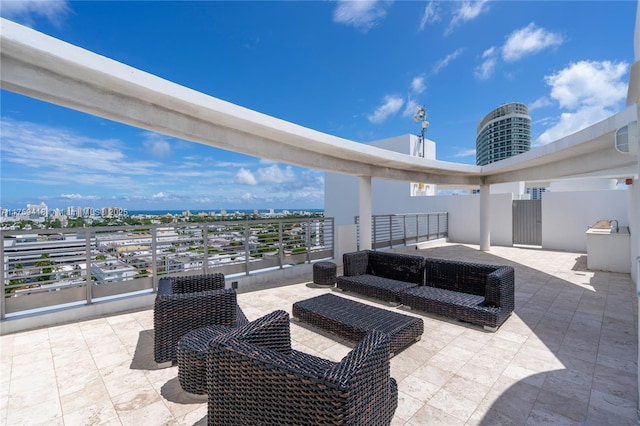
608 247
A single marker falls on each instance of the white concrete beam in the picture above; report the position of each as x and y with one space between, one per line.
45 68
601 163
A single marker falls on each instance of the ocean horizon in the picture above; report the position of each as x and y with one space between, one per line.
161 212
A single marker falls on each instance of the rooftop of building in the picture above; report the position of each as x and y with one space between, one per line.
568 355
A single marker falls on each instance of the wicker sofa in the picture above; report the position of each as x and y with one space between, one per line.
187 303
472 292
255 377
381 275
476 293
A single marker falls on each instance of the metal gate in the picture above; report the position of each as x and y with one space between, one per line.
527 222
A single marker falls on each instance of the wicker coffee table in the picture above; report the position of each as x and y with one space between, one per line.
353 320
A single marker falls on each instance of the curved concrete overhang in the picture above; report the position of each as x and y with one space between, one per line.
45 68
590 152
42 67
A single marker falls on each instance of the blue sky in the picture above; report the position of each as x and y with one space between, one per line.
354 69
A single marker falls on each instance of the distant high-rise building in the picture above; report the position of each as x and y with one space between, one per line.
503 133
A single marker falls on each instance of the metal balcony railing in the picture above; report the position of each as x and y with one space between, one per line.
52 268
390 230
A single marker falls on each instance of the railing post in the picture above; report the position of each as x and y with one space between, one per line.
154 258
87 248
281 243
308 240
5 277
333 238
246 247
205 246
390 231
404 229
374 237
446 216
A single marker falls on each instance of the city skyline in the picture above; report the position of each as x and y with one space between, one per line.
355 69
42 210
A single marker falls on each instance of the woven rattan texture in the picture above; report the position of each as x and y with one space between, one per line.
192 355
381 275
324 273
251 384
373 286
178 311
353 320
475 293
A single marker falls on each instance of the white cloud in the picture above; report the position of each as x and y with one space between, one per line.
360 14
418 85
430 15
520 43
410 108
274 174
591 90
52 153
203 200
488 65
467 11
527 41
245 177
587 83
156 145
390 106
25 11
79 197
571 122
48 160
466 153
540 103
443 63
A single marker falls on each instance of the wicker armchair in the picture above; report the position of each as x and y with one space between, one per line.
186 303
254 377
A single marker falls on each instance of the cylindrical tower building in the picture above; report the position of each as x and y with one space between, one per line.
504 132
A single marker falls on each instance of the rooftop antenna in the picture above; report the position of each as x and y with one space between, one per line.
421 116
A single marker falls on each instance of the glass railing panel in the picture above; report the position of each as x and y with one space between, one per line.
401 229
48 268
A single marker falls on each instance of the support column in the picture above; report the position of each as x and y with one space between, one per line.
633 97
485 232
365 212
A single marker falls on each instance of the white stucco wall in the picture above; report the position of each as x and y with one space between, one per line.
341 197
388 197
566 216
634 228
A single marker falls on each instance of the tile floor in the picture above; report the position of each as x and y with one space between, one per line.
567 356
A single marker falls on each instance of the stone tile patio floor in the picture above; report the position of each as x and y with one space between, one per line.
567 356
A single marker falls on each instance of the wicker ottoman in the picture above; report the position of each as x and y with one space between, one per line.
324 273
192 359
353 320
